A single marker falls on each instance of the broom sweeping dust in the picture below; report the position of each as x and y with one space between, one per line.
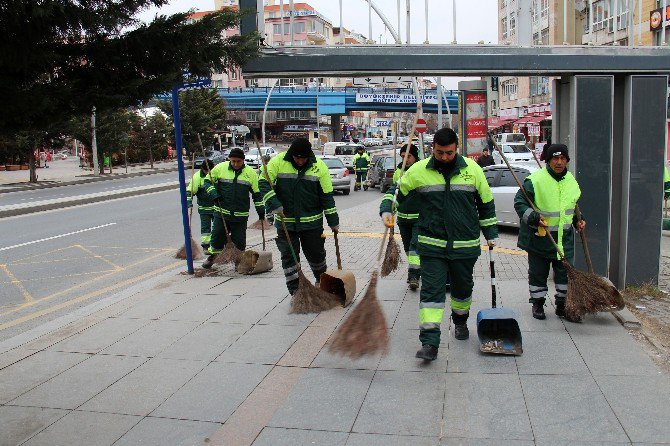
588 293
195 248
307 298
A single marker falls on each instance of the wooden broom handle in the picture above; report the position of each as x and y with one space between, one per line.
585 245
337 251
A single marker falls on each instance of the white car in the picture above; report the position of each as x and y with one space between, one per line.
504 189
253 159
514 152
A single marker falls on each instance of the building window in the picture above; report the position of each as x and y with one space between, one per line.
298 27
234 75
494 107
509 88
539 85
542 37
622 15
251 83
601 15
512 23
544 9
503 4
252 116
503 26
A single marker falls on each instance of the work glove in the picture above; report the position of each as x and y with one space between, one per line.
279 210
335 228
388 219
492 242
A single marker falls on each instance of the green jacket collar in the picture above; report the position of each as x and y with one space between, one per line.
310 162
556 176
460 162
230 167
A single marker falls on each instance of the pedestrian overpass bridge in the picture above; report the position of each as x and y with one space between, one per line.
337 101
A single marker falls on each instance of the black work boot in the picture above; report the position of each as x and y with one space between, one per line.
538 311
560 310
413 284
427 352
461 332
207 264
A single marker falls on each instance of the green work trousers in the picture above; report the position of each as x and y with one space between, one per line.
409 233
313 244
361 176
205 229
435 272
538 272
236 229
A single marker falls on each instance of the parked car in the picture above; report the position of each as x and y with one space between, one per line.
339 174
343 151
253 159
513 152
504 189
381 172
214 155
502 138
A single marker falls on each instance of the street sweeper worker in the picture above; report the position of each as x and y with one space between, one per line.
555 192
361 163
455 203
408 217
233 182
302 195
196 186
666 182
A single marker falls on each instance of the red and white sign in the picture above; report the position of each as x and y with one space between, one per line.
475 122
421 125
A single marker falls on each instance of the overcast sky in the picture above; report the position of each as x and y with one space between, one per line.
476 19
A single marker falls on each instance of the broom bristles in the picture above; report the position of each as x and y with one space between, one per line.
391 257
365 331
260 224
589 293
229 254
195 251
310 299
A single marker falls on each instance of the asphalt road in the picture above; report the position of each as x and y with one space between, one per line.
54 262
86 188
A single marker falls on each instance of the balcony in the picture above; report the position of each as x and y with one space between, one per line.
316 38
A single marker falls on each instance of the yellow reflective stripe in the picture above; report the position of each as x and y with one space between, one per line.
460 306
330 211
466 243
311 218
433 241
210 188
267 196
387 197
285 219
408 216
430 315
488 222
414 260
241 214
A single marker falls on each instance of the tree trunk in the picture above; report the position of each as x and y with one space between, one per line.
31 164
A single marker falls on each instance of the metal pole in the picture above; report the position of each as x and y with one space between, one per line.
565 22
182 179
341 26
453 4
591 20
125 157
265 109
151 151
94 146
397 40
631 16
370 20
408 20
426 42
615 27
439 102
639 17
665 7
281 26
290 23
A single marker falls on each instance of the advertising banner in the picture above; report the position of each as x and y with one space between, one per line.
475 122
392 98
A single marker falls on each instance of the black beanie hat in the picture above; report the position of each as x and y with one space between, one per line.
236 153
543 155
556 150
301 147
413 150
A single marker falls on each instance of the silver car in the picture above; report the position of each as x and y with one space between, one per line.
339 174
504 189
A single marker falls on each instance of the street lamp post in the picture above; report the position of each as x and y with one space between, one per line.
151 152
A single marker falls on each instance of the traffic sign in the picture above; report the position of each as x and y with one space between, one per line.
421 125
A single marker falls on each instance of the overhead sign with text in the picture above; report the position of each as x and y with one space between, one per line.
394 98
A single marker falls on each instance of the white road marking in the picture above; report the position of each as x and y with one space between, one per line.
56 236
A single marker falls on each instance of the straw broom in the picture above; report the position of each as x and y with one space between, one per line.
308 298
392 256
260 224
588 293
195 248
230 253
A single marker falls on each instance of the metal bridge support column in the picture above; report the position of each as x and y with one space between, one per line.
615 129
336 125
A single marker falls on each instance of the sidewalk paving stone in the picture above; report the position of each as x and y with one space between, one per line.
485 406
29 373
633 398
18 424
85 429
403 346
484 442
151 339
465 357
99 336
262 344
403 403
246 310
562 358
214 393
206 342
562 407
200 308
156 305
201 285
77 385
390 440
145 388
280 315
162 432
273 436
324 399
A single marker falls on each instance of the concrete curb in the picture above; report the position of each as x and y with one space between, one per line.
105 177
627 319
10 211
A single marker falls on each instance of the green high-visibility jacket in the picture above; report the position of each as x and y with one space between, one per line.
454 208
408 210
555 197
361 162
232 189
666 181
306 194
196 186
